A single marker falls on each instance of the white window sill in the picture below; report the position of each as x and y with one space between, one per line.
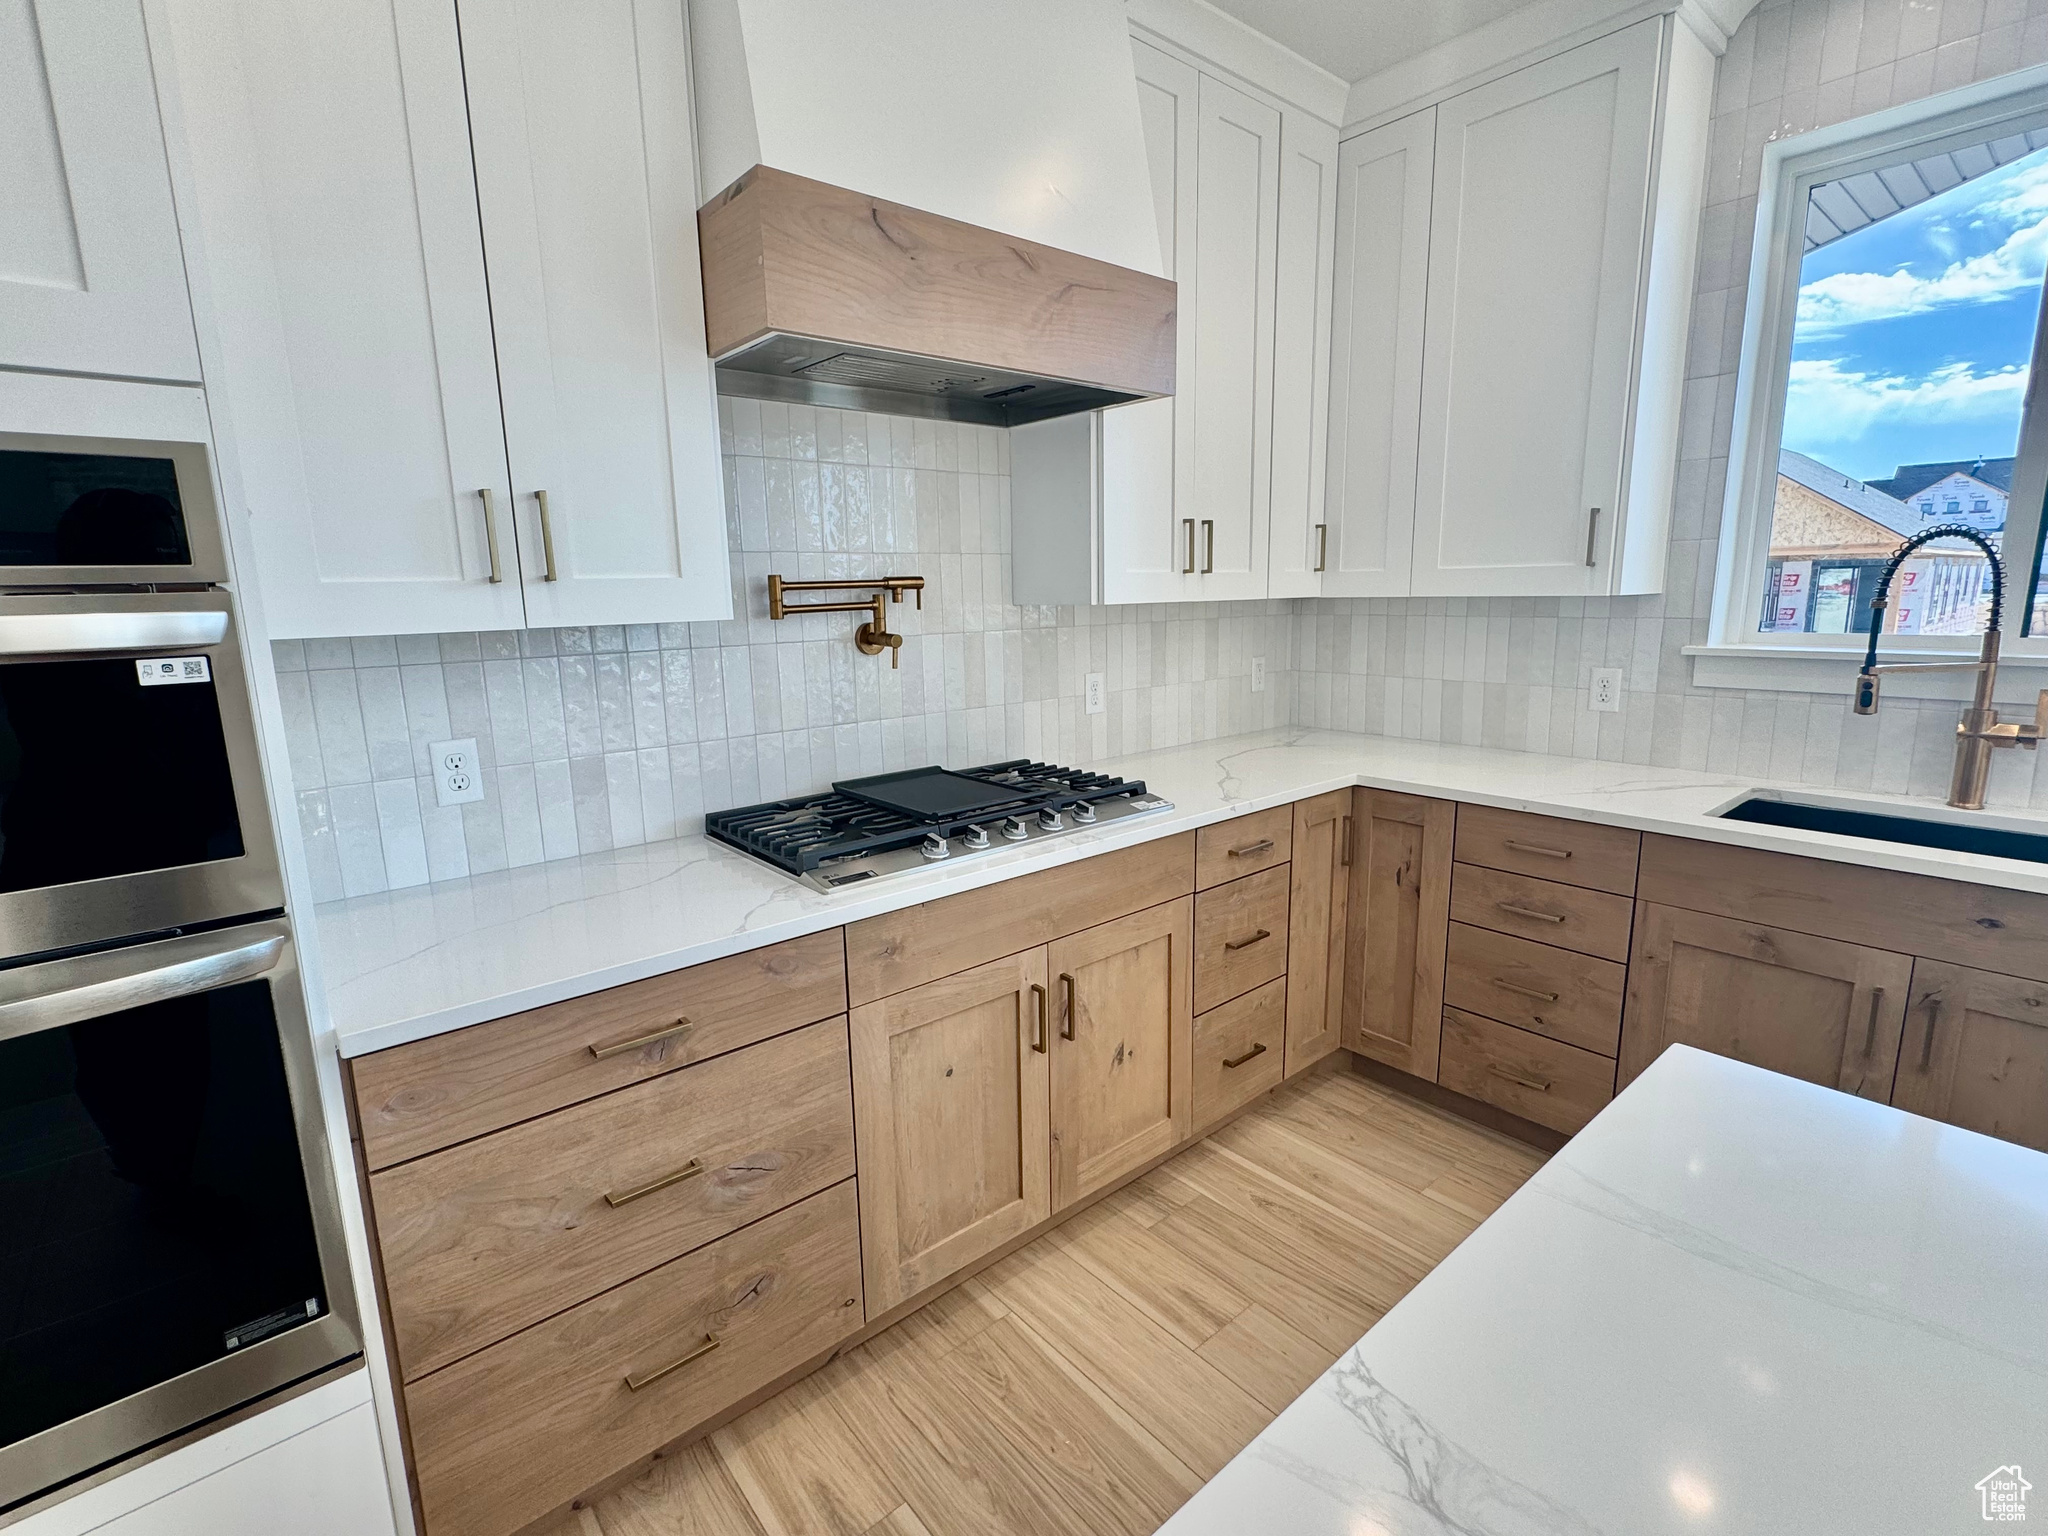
1768 668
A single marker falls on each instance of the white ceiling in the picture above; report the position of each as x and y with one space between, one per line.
1356 38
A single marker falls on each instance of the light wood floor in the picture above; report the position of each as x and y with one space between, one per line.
1094 1379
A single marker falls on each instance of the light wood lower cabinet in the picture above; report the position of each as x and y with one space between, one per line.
1526 1074
1237 1051
1399 920
950 1084
1317 903
1812 1008
1976 1052
1121 1053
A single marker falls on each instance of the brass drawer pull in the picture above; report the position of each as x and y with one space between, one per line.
1038 1033
1530 912
1238 1061
606 1052
1927 1044
1067 1026
1189 568
689 1170
1263 845
1501 981
1209 546
547 537
491 534
1870 1030
1538 849
1247 943
1345 861
1322 545
649 1378
1535 1084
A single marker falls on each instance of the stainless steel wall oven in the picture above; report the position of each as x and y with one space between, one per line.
170 1241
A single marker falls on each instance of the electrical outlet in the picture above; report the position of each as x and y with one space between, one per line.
1095 699
457 779
1258 674
1604 692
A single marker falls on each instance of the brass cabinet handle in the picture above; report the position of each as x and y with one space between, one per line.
1345 861
1539 849
1247 943
547 537
1592 522
491 532
1535 1083
1927 1044
1238 1061
1530 912
689 1170
1322 545
1067 1026
1209 546
1263 845
1502 981
1870 1030
606 1052
649 1378
1038 1032
1189 568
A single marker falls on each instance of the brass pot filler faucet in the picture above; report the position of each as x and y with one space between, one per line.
873 637
1979 730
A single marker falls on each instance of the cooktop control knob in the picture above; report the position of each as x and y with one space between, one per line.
974 837
935 846
1084 815
1050 819
1013 829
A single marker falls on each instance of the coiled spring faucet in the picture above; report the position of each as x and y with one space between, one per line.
1979 730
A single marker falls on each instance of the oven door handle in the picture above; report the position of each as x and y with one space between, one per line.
70 634
68 991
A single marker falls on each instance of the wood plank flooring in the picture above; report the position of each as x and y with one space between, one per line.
1095 1378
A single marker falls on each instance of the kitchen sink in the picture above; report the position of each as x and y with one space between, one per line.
1959 831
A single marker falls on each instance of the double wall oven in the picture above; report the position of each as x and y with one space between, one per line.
170 1245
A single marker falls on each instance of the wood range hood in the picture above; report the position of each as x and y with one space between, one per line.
821 294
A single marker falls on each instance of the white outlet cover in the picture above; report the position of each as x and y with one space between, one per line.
458 780
1096 701
1603 693
1258 674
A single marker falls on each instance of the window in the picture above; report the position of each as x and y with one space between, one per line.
1892 331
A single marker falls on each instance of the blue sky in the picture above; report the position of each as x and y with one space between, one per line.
1913 334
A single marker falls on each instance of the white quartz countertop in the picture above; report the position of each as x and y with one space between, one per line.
1735 1302
407 964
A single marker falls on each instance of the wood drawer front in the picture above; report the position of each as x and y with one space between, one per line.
417 1098
507 1435
1980 926
1549 847
900 950
1569 997
1239 1051
484 1239
1568 916
1244 846
1530 1075
1236 915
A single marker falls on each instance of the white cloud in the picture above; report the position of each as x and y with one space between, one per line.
1828 404
1852 298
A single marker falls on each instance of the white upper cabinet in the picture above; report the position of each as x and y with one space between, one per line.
1298 543
404 376
587 180
91 277
1513 266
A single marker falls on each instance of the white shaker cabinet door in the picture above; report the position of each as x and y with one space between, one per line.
1299 541
1147 461
586 178
1237 218
1383 195
341 267
91 277
1537 242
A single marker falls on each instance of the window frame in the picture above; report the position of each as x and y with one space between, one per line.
1737 654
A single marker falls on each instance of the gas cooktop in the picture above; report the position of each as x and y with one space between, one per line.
864 829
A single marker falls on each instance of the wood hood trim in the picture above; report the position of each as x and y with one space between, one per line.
783 253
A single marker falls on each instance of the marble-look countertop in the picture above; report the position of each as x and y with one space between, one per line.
1735 1302
403 965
